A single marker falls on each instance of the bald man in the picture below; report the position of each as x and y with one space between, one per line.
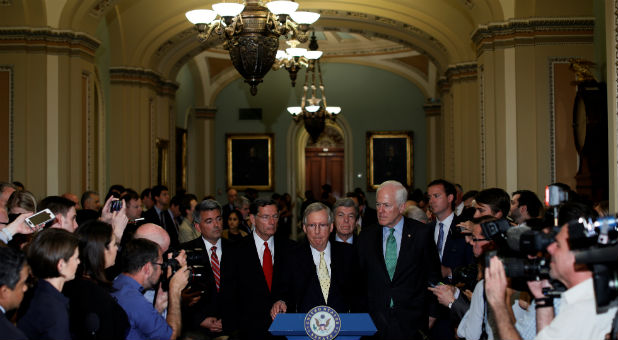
74 198
154 233
158 235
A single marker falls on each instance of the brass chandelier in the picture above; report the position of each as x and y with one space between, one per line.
251 32
314 111
294 58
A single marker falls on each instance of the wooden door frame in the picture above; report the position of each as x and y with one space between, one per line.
296 139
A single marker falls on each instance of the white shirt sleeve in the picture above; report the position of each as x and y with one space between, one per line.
471 325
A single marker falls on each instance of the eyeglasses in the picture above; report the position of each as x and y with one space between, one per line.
268 217
315 226
160 264
474 239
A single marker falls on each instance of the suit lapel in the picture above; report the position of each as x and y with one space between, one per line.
405 250
378 252
256 263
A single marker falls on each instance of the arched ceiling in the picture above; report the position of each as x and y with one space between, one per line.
155 33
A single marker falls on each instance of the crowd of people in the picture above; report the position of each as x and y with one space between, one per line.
421 264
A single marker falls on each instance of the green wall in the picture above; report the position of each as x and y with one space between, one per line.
371 100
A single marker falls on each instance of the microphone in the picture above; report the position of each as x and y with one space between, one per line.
92 324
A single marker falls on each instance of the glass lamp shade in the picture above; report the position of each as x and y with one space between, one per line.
313 54
281 55
304 17
296 51
294 110
312 108
227 9
282 7
201 16
333 109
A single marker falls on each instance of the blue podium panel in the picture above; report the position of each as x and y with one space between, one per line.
353 326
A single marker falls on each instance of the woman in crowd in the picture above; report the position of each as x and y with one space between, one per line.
92 308
53 259
233 221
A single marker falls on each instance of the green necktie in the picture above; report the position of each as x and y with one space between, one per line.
391 254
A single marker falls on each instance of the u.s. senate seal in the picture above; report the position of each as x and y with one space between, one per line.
322 323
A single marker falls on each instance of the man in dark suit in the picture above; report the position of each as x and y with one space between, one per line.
160 215
13 275
206 313
367 216
255 275
398 260
346 212
325 273
451 244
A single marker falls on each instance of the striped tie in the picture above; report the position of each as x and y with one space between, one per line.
214 264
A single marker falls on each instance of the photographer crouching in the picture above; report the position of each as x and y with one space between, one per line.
578 317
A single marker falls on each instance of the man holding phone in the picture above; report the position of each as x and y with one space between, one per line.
64 209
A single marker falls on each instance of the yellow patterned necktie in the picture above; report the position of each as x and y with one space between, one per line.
323 277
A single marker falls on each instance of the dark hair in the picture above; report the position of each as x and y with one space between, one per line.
416 195
85 196
136 253
19 185
129 196
237 213
94 237
449 189
359 197
176 200
206 205
157 190
57 205
11 263
47 249
185 203
497 200
258 203
470 194
145 193
530 200
573 210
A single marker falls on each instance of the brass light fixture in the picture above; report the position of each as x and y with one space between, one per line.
314 111
251 32
295 58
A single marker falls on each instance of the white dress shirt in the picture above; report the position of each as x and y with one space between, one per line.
316 257
259 245
578 318
209 246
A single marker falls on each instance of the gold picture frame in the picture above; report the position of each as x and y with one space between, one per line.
250 161
390 156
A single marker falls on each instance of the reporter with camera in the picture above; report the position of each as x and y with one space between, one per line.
141 265
578 318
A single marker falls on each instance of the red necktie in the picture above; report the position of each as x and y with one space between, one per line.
267 266
214 263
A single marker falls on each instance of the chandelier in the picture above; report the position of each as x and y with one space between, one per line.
294 58
314 111
251 32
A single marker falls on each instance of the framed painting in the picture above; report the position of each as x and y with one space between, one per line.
390 156
250 161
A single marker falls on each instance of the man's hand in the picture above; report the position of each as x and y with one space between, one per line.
278 307
119 221
212 323
536 288
182 258
179 280
106 215
161 301
444 293
19 226
189 298
495 283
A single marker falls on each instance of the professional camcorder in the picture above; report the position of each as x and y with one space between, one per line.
197 259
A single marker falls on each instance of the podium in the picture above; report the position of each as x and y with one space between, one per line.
353 326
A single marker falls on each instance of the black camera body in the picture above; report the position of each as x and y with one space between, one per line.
197 260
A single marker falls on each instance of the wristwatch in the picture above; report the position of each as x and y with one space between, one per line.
450 304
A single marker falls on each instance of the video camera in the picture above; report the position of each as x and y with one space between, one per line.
197 259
